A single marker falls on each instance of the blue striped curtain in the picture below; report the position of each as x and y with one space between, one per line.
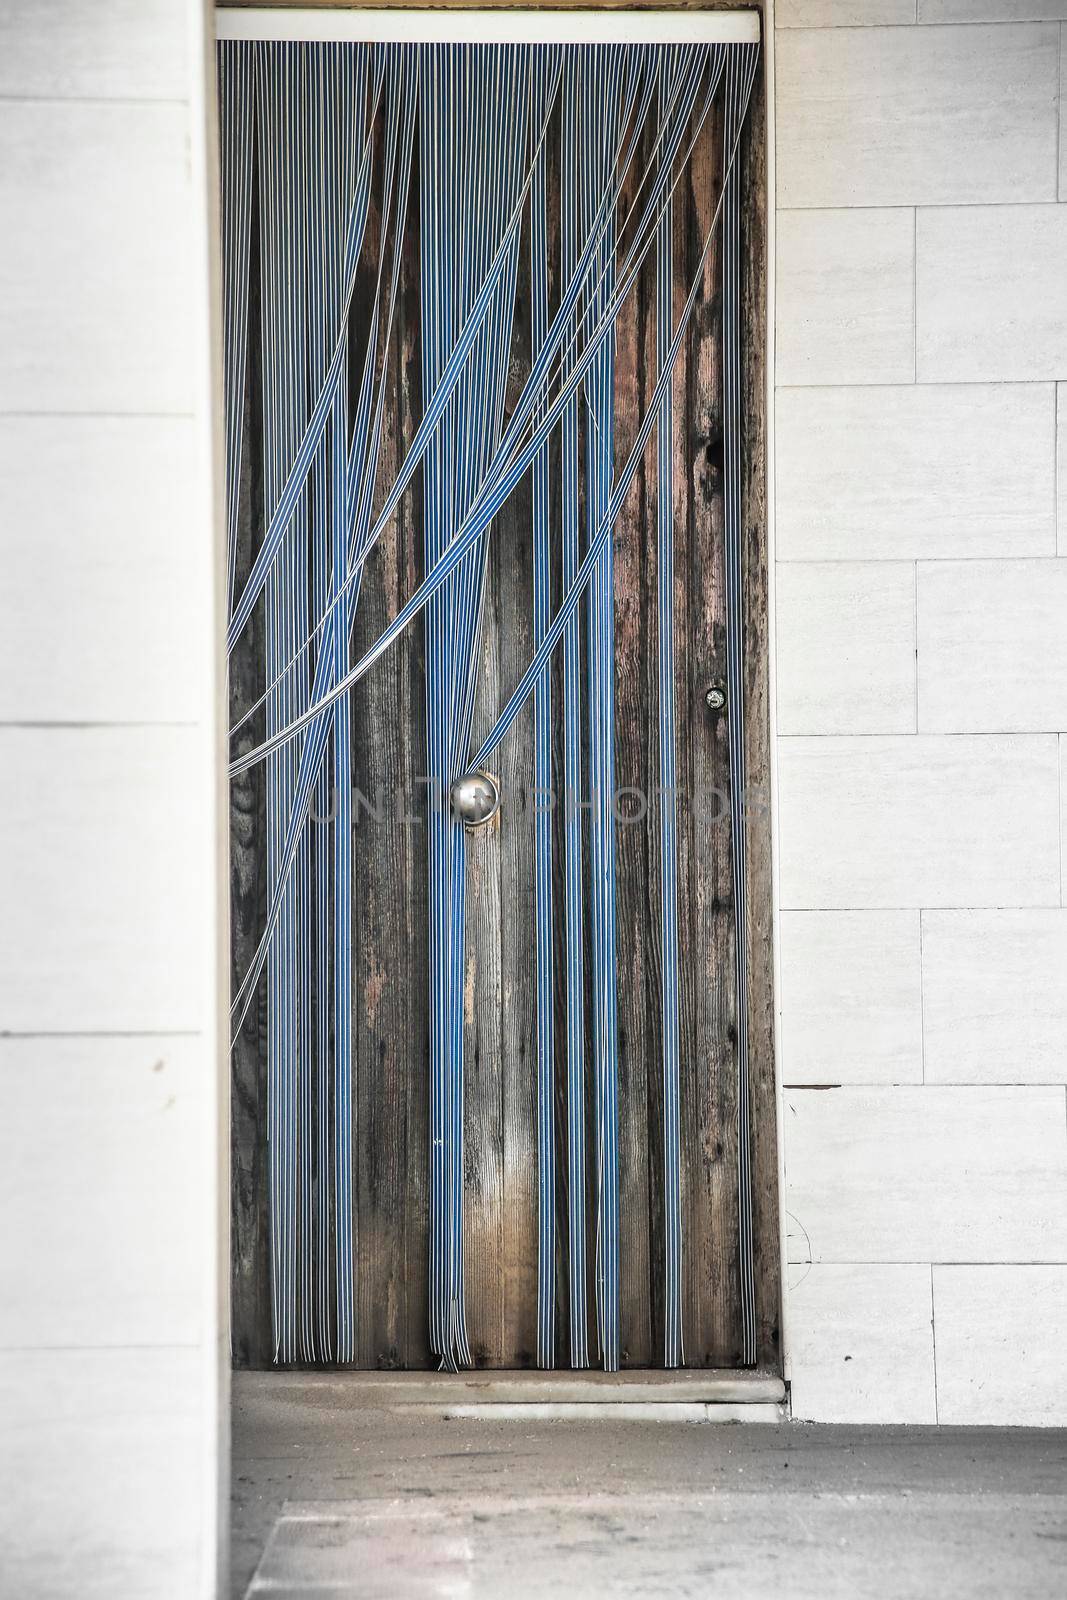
334 136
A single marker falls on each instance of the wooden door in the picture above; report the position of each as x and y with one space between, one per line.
390 1000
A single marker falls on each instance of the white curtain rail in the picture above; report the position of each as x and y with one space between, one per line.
341 24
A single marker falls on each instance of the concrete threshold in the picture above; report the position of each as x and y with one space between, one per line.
614 1411
528 1394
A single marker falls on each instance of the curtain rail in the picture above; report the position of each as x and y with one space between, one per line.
496 26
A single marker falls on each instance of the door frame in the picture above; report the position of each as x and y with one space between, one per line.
567 22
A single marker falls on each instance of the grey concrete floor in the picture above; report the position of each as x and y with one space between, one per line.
331 1498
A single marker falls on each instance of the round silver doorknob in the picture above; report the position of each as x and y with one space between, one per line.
475 799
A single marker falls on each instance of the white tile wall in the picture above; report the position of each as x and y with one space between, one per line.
1001 1333
991 293
851 997
103 1184
95 212
99 828
914 472
96 515
923 874
841 13
113 49
846 647
908 116
991 10
927 1173
844 297
1061 468
862 1341
995 996
974 677
117 1437
918 820
113 1468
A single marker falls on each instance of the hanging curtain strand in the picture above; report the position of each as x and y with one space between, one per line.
334 127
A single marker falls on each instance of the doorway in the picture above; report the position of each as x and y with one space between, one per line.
593 1140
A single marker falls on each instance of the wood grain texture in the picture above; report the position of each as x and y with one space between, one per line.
390 898
754 379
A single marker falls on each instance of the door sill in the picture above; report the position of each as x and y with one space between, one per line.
533 1394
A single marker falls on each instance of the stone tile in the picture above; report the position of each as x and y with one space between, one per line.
1061 468
95 278
97 517
1001 1333
102 1474
841 13
910 116
103 1190
862 1344
992 646
995 996
845 647
991 10
914 471
926 1173
919 820
991 294
844 297
113 49
104 849
851 1003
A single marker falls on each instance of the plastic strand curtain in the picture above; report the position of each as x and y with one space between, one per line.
543 775
600 110
672 1177
327 119
737 93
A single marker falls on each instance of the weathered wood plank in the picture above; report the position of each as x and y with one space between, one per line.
764 1103
390 899
636 711
249 1221
389 1002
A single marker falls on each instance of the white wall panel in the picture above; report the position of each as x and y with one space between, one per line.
1061 467
915 471
962 827
928 1173
95 274
844 297
991 10
101 909
851 997
917 116
841 13
117 1438
991 294
995 996
845 643
992 646
113 49
863 1344
918 821
103 1191
1001 1334
97 513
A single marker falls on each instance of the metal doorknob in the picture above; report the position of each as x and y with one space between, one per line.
475 799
